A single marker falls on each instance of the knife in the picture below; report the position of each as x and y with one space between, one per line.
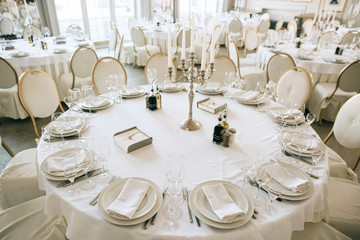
91 173
186 197
152 219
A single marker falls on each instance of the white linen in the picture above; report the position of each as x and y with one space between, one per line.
131 89
169 85
212 86
249 96
287 179
221 203
129 198
59 164
204 161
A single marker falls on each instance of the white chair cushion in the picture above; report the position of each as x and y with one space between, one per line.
28 221
82 62
344 205
251 76
142 56
19 180
320 230
10 105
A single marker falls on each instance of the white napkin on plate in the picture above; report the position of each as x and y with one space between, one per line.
287 113
129 198
249 96
212 86
288 179
305 142
60 41
221 203
169 85
131 89
68 125
59 164
96 102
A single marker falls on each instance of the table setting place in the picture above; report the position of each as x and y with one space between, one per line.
170 87
132 91
211 88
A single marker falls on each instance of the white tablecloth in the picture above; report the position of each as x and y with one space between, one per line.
204 161
321 70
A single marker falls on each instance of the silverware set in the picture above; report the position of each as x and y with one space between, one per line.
91 173
94 201
186 197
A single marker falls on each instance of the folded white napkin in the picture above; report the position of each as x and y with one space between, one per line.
221 203
287 179
249 96
60 41
8 46
308 142
212 86
96 102
131 89
169 85
287 113
59 164
129 198
69 124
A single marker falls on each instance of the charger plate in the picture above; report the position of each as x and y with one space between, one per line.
202 209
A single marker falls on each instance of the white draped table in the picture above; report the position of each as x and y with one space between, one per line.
204 161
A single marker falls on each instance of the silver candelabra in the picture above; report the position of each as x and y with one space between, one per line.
192 75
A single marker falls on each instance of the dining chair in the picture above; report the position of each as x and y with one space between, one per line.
28 221
327 39
115 42
307 27
10 105
19 179
39 95
132 22
37 33
344 193
277 65
159 61
81 63
101 71
328 97
318 230
295 85
223 64
265 16
73 28
279 23
250 41
292 28
142 50
235 29
262 29
7 26
350 37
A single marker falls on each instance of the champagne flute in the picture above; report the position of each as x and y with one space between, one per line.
101 148
260 88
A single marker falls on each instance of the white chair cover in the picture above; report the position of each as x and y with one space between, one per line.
292 28
28 221
338 167
277 65
279 23
327 98
250 40
320 230
235 28
132 22
223 64
101 71
265 16
307 27
295 85
10 105
7 26
344 206
159 61
81 64
37 33
327 39
262 29
19 180
350 36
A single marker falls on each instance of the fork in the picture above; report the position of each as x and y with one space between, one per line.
186 197
94 201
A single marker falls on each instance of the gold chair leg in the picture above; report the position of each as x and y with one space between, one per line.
328 136
320 117
12 154
356 163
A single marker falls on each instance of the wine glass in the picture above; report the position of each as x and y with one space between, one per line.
59 125
68 100
87 184
317 153
175 168
228 81
249 155
264 180
76 95
287 137
101 148
260 88
298 116
258 199
173 201
45 134
310 118
151 74
88 96
70 173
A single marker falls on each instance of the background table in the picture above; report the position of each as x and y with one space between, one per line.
204 161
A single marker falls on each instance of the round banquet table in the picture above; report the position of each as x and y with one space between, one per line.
321 70
204 161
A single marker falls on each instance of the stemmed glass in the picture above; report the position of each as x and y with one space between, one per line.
152 75
247 159
260 88
101 148
59 125
310 118
265 177
228 81
317 153
87 96
68 101
76 95
287 138
88 184
303 143
298 116
45 134
70 173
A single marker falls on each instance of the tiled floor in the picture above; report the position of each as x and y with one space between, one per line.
19 134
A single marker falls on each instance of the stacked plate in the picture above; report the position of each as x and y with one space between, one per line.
254 99
175 87
96 103
149 206
19 54
200 205
286 193
336 59
135 94
204 90
303 144
286 115
69 126
64 155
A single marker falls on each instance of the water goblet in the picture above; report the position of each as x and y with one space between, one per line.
173 200
228 81
59 125
70 173
68 101
87 184
248 156
310 118
152 75
76 95
175 168
101 148
317 153
45 134
87 96
264 180
298 116
287 138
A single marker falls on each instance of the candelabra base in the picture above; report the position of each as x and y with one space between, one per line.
190 125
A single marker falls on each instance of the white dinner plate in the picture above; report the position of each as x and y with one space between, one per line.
284 192
136 95
202 90
108 195
70 131
336 59
62 153
179 87
256 101
198 206
19 54
302 57
108 103
113 192
271 112
59 50
293 148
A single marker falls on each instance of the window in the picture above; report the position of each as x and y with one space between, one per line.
200 8
69 12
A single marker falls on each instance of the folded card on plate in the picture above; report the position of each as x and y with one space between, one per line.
288 179
129 198
221 203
